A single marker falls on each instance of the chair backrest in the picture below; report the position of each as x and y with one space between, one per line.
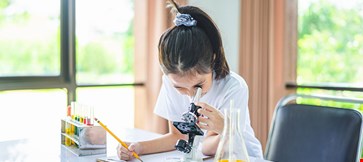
313 133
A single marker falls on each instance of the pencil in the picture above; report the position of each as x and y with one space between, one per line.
118 139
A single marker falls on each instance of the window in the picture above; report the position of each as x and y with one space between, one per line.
24 111
113 104
330 42
29 42
104 55
330 48
104 37
69 50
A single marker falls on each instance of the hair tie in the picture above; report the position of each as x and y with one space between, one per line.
184 19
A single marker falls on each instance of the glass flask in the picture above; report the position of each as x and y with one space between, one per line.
231 147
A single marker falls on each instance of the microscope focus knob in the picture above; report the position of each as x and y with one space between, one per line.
183 146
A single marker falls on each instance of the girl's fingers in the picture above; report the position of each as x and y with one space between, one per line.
203 126
208 111
203 120
125 156
123 153
212 118
205 113
205 106
204 123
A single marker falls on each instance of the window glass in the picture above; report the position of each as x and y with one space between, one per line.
330 42
114 106
32 114
104 41
30 37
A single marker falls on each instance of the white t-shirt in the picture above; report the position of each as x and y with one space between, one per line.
171 104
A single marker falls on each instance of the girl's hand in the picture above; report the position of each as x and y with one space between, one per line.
125 154
211 119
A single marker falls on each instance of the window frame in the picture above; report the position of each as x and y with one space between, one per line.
67 78
291 24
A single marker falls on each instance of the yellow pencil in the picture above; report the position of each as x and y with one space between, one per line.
118 139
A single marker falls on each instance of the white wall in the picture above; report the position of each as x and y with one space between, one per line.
226 16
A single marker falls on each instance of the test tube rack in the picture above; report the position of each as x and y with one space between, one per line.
82 139
79 135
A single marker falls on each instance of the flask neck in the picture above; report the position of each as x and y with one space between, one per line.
232 121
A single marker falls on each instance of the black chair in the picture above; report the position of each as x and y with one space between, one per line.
313 133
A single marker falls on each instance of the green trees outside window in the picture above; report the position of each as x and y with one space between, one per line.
29 38
330 47
41 40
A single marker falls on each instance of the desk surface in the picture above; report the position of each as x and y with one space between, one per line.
36 150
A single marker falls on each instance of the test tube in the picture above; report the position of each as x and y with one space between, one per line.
81 114
69 112
76 111
85 115
72 117
68 141
73 107
92 115
68 129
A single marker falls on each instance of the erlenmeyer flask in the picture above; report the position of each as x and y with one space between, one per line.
231 147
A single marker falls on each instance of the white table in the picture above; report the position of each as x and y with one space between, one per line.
36 150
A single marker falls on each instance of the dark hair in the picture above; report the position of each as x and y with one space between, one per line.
185 48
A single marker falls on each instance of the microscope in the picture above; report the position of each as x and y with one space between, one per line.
189 125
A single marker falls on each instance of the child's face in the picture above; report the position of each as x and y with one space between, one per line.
187 84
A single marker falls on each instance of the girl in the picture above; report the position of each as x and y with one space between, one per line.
191 55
